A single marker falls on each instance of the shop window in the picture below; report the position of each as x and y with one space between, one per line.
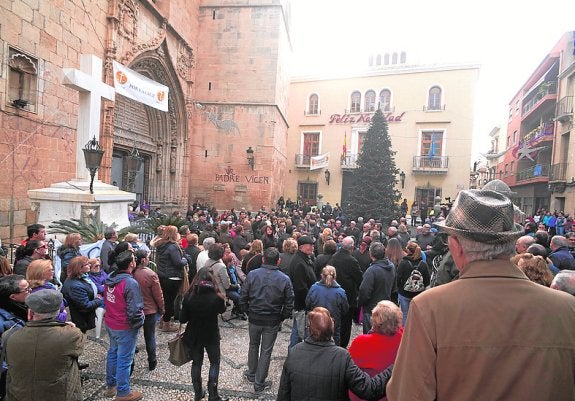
22 80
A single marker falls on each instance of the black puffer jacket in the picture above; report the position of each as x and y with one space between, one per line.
171 261
323 371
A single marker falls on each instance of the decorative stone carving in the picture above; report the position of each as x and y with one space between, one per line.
138 48
173 158
89 212
185 61
128 20
159 157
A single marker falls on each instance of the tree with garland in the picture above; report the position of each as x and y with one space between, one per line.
374 194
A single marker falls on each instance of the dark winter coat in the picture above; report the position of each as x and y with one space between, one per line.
348 273
171 261
377 284
317 371
302 278
201 312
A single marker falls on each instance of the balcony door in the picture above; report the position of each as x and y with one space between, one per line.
310 145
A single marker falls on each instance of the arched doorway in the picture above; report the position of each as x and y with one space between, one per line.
160 138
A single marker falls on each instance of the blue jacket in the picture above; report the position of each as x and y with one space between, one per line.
133 314
7 321
377 284
562 258
170 261
80 295
267 296
333 299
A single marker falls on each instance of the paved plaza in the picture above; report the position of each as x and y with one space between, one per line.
168 382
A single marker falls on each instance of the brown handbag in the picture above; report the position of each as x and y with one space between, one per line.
179 352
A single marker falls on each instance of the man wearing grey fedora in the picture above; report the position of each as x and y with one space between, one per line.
492 334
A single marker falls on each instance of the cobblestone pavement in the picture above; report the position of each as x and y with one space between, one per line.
168 382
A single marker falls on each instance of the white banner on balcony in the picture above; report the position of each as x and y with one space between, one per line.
320 161
140 88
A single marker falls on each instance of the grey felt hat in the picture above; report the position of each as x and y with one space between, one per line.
44 301
482 216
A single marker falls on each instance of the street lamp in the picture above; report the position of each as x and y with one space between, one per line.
327 175
251 160
133 165
93 154
402 179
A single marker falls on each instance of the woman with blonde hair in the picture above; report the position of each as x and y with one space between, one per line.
326 234
328 294
5 268
376 351
254 258
535 268
289 248
68 251
170 264
412 277
39 274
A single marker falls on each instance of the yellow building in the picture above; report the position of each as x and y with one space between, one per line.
430 117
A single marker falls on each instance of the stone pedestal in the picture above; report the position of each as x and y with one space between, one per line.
72 199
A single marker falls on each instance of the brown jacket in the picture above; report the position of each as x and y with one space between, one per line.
151 290
42 362
491 335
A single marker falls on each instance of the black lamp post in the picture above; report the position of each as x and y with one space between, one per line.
327 175
133 165
402 179
251 160
93 154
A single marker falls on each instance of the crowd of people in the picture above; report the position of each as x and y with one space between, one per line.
469 290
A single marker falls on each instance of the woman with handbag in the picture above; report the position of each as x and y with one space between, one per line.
412 277
200 309
171 261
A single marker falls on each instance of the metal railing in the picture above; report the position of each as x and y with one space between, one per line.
350 160
558 172
302 160
546 88
536 171
565 107
430 162
546 129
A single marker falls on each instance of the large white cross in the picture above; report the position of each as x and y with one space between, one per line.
88 82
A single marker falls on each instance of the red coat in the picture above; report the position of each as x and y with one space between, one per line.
373 353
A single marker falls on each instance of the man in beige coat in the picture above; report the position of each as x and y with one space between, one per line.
492 334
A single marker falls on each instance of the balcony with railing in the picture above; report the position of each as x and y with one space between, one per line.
565 109
542 133
542 93
430 164
558 172
302 161
349 162
536 173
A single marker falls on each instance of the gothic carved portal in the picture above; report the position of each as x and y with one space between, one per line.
160 137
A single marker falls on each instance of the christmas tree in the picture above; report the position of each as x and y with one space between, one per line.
374 194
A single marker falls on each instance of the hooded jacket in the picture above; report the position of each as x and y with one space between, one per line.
124 303
377 284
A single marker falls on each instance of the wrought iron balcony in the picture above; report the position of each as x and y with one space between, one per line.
558 172
349 161
430 164
302 161
312 112
534 172
565 109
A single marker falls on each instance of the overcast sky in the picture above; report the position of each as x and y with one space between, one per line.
508 38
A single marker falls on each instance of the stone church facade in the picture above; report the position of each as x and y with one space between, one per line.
223 62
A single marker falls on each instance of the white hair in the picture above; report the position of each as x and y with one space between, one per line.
481 251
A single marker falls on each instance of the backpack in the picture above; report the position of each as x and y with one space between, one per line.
415 281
